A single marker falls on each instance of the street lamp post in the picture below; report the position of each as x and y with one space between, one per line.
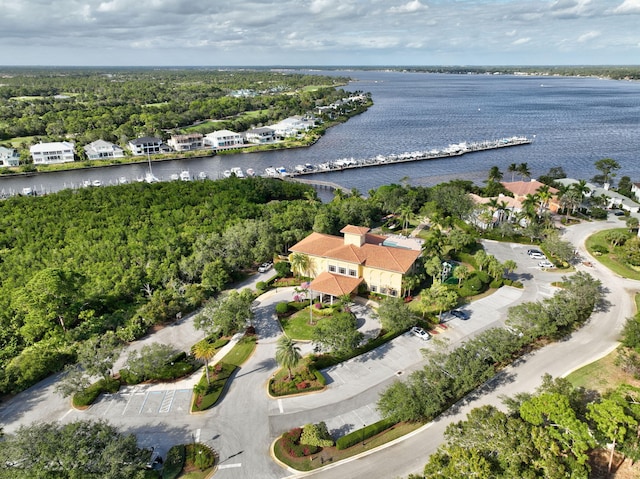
364 426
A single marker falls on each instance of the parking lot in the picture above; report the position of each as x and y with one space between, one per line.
143 400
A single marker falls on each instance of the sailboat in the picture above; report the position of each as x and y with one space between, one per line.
149 177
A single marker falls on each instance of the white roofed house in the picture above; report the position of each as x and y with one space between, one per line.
147 145
101 150
261 135
50 153
293 126
223 139
188 142
9 156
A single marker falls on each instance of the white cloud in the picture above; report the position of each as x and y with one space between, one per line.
521 41
409 7
628 6
588 36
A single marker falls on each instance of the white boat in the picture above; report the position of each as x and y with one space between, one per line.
174 177
185 175
300 168
150 178
26 191
238 172
86 184
96 183
227 173
251 172
123 180
202 175
282 171
270 171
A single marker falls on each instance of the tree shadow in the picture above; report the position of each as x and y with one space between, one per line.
269 363
343 430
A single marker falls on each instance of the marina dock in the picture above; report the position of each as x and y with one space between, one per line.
457 149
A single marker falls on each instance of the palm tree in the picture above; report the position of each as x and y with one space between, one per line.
405 215
523 170
529 206
287 354
495 174
544 197
513 169
204 351
461 272
300 263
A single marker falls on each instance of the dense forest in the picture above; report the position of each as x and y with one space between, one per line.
120 104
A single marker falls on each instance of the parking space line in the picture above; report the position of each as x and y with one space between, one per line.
128 401
167 401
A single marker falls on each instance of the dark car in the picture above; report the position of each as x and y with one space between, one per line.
458 313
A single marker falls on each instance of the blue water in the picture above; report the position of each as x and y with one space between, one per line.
576 121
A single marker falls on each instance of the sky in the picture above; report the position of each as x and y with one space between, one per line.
319 32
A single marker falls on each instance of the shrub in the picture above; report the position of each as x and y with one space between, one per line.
87 396
282 308
291 444
200 456
600 248
319 377
366 432
316 435
261 286
174 462
496 283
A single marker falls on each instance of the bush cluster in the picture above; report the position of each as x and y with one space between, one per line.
174 462
291 443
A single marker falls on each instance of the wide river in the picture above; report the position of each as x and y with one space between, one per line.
575 121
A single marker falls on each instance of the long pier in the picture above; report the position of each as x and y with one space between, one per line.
457 149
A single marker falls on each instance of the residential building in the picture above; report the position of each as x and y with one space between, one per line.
293 126
188 142
223 139
49 153
101 150
260 135
506 209
147 145
521 189
9 156
613 198
339 265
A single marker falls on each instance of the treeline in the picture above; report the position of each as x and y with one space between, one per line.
121 104
550 434
449 376
614 72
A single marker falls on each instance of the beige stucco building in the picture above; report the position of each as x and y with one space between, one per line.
340 264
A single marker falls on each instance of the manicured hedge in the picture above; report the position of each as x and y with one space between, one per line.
89 395
366 432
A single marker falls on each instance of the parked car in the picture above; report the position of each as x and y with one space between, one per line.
421 333
460 314
264 267
546 264
536 254
618 212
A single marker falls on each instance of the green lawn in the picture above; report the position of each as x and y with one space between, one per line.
297 325
241 351
610 259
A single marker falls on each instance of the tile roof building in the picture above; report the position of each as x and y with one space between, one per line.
521 189
340 264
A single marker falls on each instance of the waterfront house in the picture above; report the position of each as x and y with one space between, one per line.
613 198
50 153
223 139
261 135
521 189
500 209
188 142
147 145
103 150
339 265
9 156
292 126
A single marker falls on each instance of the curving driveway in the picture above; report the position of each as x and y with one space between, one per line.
244 424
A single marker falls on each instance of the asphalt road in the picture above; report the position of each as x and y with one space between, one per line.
244 424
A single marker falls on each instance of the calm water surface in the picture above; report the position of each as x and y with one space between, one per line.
576 121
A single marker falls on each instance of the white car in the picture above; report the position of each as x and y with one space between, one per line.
264 267
536 254
546 264
421 333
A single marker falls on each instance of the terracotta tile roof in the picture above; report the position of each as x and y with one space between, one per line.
372 255
508 200
356 230
334 284
524 188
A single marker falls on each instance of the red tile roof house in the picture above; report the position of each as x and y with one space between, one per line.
521 189
340 264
